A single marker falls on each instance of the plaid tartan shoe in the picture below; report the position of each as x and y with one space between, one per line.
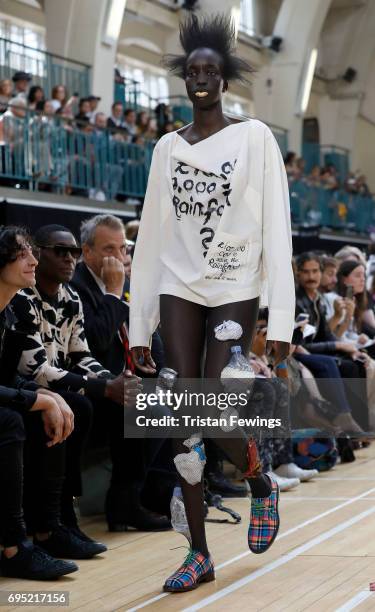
195 569
264 520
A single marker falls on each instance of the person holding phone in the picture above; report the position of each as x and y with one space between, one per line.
352 283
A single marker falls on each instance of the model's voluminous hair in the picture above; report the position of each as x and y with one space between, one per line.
217 33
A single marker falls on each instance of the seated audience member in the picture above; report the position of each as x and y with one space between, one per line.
100 123
291 167
360 328
82 117
100 281
35 95
116 122
321 349
62 104
12 140
131 230
276 452
5 94
94 103
128 260
350 252
339 310
26 410
131 122
329 178
143 119
313 179
48 333
21 82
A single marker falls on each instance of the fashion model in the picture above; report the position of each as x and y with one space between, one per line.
217 185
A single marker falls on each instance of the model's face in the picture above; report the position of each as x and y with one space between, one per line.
309 276
357 279
108 242
20 273
329 278
58 265
203 79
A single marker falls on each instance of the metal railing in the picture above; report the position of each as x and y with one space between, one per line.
335 209
50 153
47 69
39 152
315 154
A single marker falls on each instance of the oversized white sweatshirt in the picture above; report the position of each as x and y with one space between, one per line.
215 228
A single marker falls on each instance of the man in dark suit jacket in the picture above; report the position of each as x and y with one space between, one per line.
100 281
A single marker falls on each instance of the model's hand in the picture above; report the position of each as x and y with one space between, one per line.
280 350
113 275
142 359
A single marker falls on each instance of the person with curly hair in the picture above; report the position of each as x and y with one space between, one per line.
216 186
25 407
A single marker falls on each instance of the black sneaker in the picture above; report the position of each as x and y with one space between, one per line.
33 563
63 542
98 546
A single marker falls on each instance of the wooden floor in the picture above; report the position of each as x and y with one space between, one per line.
323 559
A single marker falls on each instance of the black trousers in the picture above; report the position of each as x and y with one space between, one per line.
131 458
31 476
60 466
12 436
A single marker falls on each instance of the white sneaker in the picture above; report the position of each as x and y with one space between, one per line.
291 470
285 484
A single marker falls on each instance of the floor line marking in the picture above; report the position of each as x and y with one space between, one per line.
355 601
279 562
283 535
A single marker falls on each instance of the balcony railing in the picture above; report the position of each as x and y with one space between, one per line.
46 68
56 155
331 208
49 153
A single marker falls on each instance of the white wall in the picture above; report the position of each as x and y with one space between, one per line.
363 155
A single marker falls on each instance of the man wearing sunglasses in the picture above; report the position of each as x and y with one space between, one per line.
50 336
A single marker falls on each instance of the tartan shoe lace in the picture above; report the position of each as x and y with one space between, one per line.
190 557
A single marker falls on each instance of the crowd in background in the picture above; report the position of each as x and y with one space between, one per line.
326 177
83 112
